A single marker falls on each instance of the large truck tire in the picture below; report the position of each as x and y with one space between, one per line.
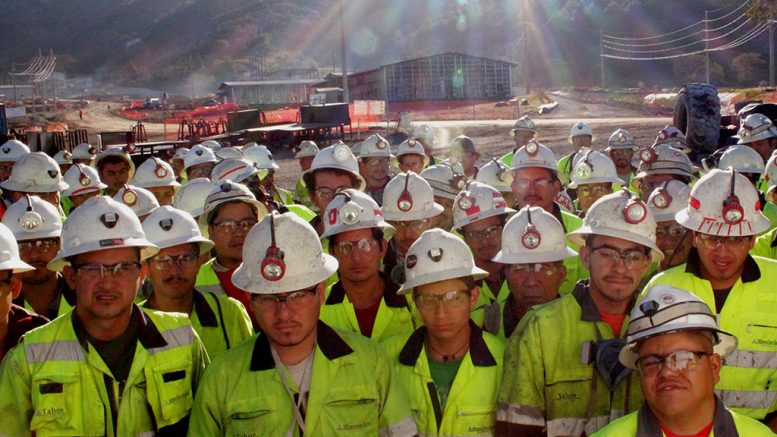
697 114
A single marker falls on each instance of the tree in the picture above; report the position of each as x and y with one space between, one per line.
748 67
763 10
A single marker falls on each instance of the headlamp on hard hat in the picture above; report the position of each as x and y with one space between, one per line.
405 200
733 213
160 171
129 197
635 210
273 267
585 169
350 212
84 180
532 147
648 155
531 237
30 221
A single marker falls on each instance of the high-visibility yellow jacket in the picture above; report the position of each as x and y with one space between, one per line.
207 281
575 269
644 423
54 383
61 305
471 405
301 194
548 381
766 245
748 377
352 391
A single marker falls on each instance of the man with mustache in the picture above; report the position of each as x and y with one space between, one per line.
621 147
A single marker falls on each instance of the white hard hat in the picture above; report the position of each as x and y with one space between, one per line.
667 199
12 150
621 139
496 174
409 197
211 144
665 309
523 123
620 215
375 146
180 153
337 157
139 200
236 170
580 128
541 238
229 191
534 154
306 148
282 253
352 209
154 173
115 151
423 131
770 172
260 156
32 218
724 203
35 172
228 153
411 147
460 145
9 253
82 179
756 127
63 157
444 181
436 256
191 197
101 223
167 227
595 168
744 159
84 151
663 159
199 154
564 201
672 136
476 202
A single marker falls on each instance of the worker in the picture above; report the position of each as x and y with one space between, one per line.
37 227
264 161
139 200
479 215
765 244
191 197
375 165
220 321
177 162
305 152
660 163
299 376
463 151
593 177
363 300
621 147
37 174
675 344
759 133
115 168
199 162
496 174
674 240
581 137
158 177
64 160
107 368
83 182
523 131
533 251
10 152
748 162
408 206
411 156
572 384
446 183
536 183
449 368
723 216
84 153
333 169
424 134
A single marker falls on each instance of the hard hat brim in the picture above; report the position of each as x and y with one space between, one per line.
758 225
12 185
599 180
421 214
209 210
205 245
147 250
464 221
531 258
16 266
476 273
70 192
388 230
27 236
258 285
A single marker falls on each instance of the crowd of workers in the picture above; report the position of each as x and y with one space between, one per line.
614 292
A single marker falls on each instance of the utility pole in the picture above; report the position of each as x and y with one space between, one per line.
707 44
771 54
13 82
344 59
601 56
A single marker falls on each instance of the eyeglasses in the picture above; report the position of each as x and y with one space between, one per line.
44 245
165 262
489 232
451 299
94 271
416 225
621 152
539 183
377 162
713 241
327 193
228 227
201 172
295 299
547 269
594 191
631 258
678 361
673 231
365 245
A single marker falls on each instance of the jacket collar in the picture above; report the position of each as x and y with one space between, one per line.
478 349
327 339
750 273
588 310
148 334
205 314
723 422
390 296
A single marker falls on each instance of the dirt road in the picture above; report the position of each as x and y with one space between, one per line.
97 117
